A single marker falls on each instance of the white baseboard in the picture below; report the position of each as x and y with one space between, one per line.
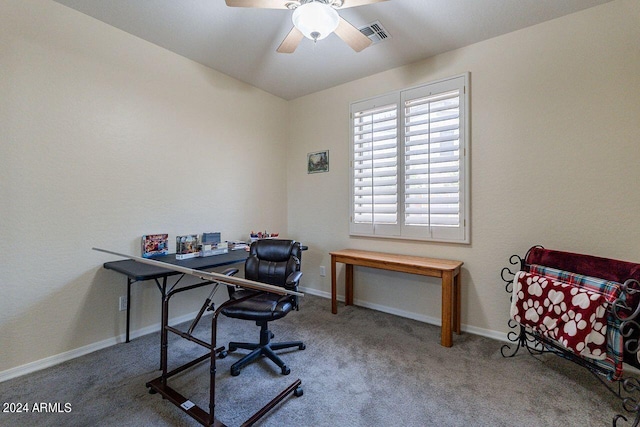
54 360
488 333
47 362
72 354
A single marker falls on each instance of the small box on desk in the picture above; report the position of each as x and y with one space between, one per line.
155 245
211 245
210 238
210 252
187 246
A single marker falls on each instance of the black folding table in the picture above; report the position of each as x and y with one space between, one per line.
139 272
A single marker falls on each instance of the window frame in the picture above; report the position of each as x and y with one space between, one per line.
400 230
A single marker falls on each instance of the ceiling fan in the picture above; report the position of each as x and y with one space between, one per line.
314 19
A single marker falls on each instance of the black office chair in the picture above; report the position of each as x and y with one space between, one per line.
275 262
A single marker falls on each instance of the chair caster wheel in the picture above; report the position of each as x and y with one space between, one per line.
222 354
152 391
272 335
298 392
302 347
235 372
286 370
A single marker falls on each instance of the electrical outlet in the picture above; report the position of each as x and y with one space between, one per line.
123 303
323 272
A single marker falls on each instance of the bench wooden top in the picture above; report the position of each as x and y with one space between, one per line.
404 263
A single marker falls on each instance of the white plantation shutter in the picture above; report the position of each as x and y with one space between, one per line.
432 160
409 163
375 167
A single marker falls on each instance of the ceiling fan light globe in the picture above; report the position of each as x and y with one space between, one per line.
315 20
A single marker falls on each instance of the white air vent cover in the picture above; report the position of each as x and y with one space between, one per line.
375 31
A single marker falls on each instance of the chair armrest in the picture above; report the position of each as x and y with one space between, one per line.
230 272
292 285
293 279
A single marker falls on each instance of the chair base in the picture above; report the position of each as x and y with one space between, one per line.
264 348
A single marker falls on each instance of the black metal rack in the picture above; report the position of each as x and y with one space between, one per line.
627 389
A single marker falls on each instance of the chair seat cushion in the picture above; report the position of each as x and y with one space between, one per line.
262 307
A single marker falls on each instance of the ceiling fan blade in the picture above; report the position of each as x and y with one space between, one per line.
352 36
263 4
291 42
354 3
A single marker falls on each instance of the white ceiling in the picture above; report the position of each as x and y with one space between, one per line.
242 42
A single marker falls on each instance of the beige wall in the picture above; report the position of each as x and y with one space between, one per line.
555 149
105 137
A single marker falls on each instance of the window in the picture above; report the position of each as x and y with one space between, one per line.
409 163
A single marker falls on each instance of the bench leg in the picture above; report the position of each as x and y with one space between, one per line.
334 295
348 285
456 304
446 339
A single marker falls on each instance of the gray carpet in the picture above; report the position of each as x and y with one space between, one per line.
360 368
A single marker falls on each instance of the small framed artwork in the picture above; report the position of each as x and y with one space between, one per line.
318 162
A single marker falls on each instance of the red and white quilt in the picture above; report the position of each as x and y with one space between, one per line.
574 317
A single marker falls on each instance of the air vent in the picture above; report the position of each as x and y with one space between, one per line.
375 31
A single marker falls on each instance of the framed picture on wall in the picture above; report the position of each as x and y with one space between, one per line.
318 162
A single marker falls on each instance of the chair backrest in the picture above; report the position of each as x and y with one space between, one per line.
272 260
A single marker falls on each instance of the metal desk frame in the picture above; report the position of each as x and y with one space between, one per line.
138 272
160 384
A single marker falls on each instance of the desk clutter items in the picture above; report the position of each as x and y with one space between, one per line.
187 246
211 245
237 245
253 236
155 245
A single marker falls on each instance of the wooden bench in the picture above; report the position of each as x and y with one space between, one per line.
447 270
